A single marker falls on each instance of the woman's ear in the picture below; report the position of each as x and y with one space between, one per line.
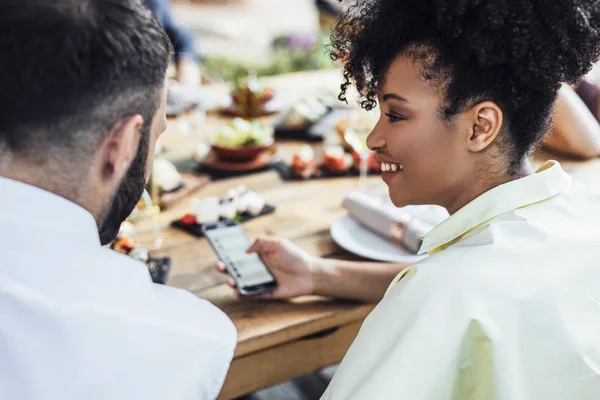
485 120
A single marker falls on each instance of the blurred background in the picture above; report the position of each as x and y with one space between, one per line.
269 36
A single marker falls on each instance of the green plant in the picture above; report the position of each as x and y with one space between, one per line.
290 54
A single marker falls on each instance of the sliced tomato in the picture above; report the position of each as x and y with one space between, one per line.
125 244
188 219
335 164
298 163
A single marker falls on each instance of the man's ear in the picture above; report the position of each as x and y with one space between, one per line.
485 121
119 148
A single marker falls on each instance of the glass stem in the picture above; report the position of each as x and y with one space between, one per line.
156 232
364 159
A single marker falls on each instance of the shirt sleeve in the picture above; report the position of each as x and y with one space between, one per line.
204 339
421 342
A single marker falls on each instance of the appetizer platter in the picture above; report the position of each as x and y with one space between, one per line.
166 177
125 243
298 121
171 185
334 162
239 204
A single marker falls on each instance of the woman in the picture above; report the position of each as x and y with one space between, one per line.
506 304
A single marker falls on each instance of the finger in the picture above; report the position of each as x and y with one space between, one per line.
256 246
267 296
264 296
246 297
236 292
221 267
263 245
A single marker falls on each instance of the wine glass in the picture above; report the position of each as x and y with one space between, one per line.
145 213
359 127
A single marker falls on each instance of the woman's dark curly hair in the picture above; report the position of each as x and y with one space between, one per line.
513 52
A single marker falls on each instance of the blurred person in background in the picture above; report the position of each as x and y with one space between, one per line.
329 12
83 104
576 130
186 56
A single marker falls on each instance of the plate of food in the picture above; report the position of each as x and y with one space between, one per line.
334 162
239 204
296 122
126 244
239 146
173 185
242 140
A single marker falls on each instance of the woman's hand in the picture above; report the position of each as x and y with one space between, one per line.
292 267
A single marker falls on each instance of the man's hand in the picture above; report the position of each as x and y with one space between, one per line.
292 267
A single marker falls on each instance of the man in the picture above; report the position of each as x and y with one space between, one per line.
186 58
82 97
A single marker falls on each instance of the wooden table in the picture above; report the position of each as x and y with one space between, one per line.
277 341
281 340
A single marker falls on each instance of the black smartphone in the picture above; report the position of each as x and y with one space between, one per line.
230 242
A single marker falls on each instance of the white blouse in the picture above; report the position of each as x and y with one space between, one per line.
507 305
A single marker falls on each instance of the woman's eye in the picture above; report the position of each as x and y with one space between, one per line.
394 118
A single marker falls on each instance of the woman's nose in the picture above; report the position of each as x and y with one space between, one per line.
375 139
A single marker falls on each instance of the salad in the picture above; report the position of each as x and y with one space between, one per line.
242 133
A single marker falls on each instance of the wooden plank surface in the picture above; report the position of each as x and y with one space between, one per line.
268 332
281 363
304 213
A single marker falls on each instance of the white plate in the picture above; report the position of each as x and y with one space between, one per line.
355 238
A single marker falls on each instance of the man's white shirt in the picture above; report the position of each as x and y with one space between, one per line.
80 321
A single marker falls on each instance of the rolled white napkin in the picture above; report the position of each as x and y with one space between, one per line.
404 226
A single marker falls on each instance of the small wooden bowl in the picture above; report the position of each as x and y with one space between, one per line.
241 154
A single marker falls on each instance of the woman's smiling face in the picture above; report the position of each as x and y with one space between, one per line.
428 158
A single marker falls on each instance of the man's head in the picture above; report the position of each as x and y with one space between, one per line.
82 100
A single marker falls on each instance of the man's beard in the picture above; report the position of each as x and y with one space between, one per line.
128 193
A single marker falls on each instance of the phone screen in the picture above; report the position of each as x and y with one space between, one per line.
231 243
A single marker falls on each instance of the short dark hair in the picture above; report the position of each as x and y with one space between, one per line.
71 69
513 52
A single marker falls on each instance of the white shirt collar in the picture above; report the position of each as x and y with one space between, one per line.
25 204
549 181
